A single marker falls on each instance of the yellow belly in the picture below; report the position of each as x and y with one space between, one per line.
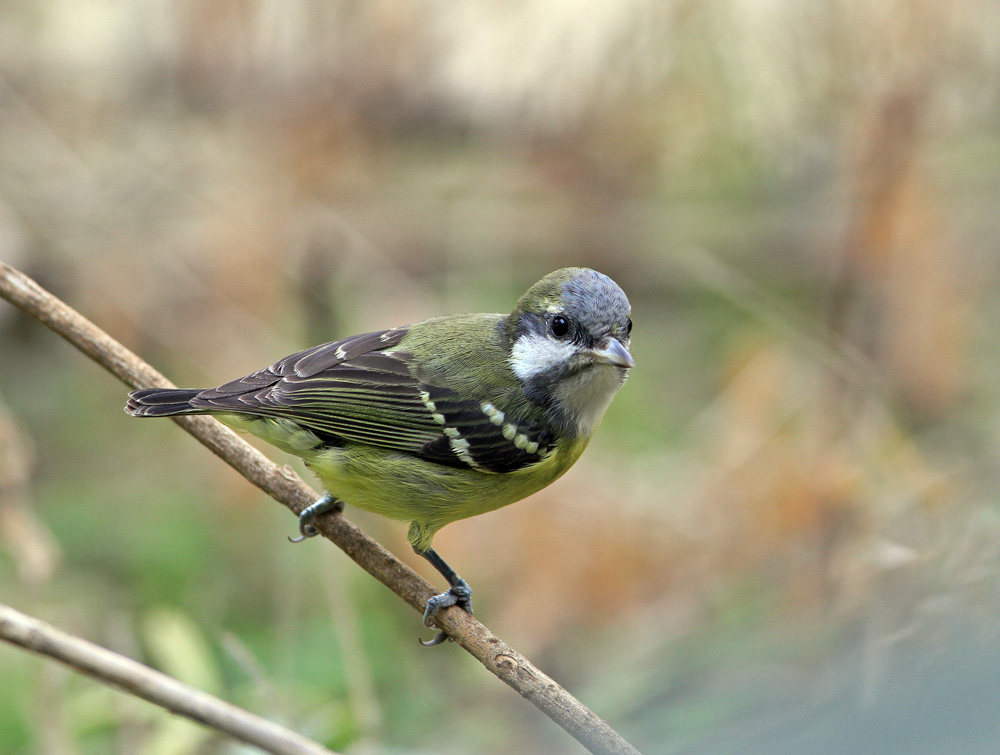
402 486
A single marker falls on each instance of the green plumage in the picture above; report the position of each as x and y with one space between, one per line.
444 419
380 466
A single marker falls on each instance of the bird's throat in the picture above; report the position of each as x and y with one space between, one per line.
580 400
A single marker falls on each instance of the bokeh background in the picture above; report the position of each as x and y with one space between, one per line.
786 535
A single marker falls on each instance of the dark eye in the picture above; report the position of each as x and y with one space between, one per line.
628 328
559 326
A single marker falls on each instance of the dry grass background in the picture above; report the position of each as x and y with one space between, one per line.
784 536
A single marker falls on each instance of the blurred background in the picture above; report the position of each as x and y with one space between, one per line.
786 535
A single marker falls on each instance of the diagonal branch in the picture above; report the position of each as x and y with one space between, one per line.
282 484
131 676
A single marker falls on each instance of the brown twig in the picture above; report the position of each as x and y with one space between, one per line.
285 486
133 677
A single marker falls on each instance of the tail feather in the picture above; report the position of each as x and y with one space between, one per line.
162 402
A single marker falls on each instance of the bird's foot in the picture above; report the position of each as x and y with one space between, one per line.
324 505
459 594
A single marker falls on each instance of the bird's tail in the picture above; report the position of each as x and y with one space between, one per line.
162 402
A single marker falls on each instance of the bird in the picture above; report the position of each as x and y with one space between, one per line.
440 420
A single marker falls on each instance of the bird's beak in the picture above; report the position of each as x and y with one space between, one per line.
613 353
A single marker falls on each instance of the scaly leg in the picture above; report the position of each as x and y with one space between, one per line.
459 594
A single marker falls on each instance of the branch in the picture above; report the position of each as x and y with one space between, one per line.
131 676
282 484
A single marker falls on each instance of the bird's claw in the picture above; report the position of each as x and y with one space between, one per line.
306 531
324 505
459 594
437 640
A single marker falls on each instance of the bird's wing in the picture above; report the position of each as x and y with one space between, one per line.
362 389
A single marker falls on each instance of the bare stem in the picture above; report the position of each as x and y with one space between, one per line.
286 487
131 676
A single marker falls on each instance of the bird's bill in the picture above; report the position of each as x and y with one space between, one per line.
613 353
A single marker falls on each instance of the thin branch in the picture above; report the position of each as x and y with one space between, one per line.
131 676
282 484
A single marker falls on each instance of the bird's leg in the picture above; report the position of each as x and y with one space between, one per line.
324 505
459 594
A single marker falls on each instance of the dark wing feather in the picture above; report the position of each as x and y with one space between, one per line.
489 446
361 389
356 389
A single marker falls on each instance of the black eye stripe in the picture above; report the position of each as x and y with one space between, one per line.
628 328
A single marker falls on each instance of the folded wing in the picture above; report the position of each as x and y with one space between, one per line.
362 390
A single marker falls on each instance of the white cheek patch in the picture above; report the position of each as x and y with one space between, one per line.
534 355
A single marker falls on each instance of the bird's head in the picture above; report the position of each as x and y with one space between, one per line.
570 335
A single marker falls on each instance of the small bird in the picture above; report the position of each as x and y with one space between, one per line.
441 420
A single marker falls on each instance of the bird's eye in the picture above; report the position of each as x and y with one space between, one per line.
559 326
628 328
